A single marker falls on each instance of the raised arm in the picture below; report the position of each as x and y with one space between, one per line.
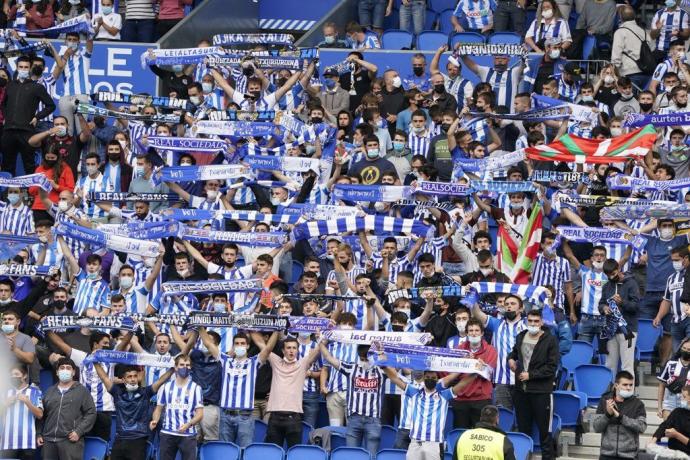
103 376
394 377
59 343
328 356
433 68
209 343
156 270
162 379
263 354
364 242
67 252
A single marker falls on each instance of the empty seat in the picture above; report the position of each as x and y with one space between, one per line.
431 40
593 380
396 40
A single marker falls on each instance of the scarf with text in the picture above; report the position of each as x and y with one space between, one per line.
621 182
253 39
440 189
184 56
264 62
636 120
113 242
241 115
144 230
187 144
131 196
309 324
234 128
132 359
377 224
453 290
197 173
248 322
501 186
209 286
256 239
673 211
382 193
559 112
143 100
536 294
369 337
597 235
62 322
603 201
276 163
80 24
539 175
31 180
444 206
319 211
89 109
26 270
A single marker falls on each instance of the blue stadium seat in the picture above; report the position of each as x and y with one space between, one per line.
219 449
593 380
392 21
297 270
506 419
306 430
504 38
555 429
444 24
447 456
45 379
94 448
388 435
260 428
396 40
391 454
465 37
568 406
113 431
350 453
338 440
522 445
452 438
431 40
588 46
647 336
305 452
580 353
430 19
263 451
440 5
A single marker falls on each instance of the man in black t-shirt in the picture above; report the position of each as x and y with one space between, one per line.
371 168
364 74
67 147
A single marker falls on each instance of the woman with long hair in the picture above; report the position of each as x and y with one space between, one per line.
59 174
549 23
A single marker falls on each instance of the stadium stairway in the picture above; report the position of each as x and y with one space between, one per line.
590 442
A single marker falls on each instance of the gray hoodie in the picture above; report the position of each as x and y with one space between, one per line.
620 435
72 410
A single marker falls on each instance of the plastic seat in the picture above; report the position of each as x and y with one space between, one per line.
263 451
580 353
391 454
94 448
506 419
305 452
522 445
593 380
588 46
567 405
444 23
431 40
388 435
45 379
555 429
430 19
338 440
504 38
452 438
350 453
396 40
647 335
465 38
441 5
260 428
113 431
297 270
219 449
392 21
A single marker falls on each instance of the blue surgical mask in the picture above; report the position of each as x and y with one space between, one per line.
372 153
625 394
64 375
106 10
177 68
13 198
218 307
139 171
22 74
206 87
73 45
670 3
92 276
398 146
183 372
240 352
329 83
330 39
7 329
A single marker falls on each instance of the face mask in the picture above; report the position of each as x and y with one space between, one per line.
219 307
248 71
177 68
92 170
183 372
196 100
330 39
255 94
608 79
22 74
430 384
17 382
685 355
206 87
397 328
329 83
597 265
555 54
418 71
615 132
683 404
73 46
183 273
316 120
547 14
186 163
50 163
373 153
625 394
486 271
379 207
398 146
7 328
440 88
397 82
533 330
646 107
670 3
587 98
666 233
461 325
516 206
445 127
131 387
510 315
63 205
64 375
61 131
304 335
240 351
13 198
139 171
474 340
37 70
92 276
677 265
211 194
275 201
419 130
114 157
126 282
43 239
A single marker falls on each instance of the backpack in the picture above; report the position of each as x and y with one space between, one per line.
647 61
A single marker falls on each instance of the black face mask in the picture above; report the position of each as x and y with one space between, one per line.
281 81
440 88
16 382
316 120
646 107
430 384
114 157
510 315
685 355
445 127
681 106
50 163
362 351
248 71
418 71
229 264
255 94
59 305
37 70
397 328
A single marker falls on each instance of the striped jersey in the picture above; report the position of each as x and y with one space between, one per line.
310 385
53 257
503 340
478 129
98 184
592 284
503 83
455 341
112 173
476 14
371 41
180 402
540 30
267 101
365 388
670 21
76 246
152 374
292 98
344 352
395 266
18 221
171 305
239 377
138 129
674 288
351 274
91 293
568 91
136 298
407 405
76 74
429 413
554 272
460 88
48 82
419 145
672 371
19 428
88 377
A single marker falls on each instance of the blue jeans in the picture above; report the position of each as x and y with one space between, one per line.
237 428
589 326
310 406
139 30
359 426
509 17
371 13
402 439
680 331
415 10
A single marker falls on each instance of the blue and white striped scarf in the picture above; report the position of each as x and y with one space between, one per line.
538 294
637 120
441 189
26 270
382 193
142 100
210 286
621 182
557 112
80 24
502 186
131 196
378 224
188 144
89 109
259 239
241 115
672 211
112 242
292 164
234 128
144 230
206 172
10 245
38 179
132 359
264 62
319 211
178 56
597 235
252 39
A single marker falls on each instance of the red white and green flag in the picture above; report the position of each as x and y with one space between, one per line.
580 150
516 259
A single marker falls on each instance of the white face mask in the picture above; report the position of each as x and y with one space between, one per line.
486 271
461 325
91 170
597 265
397 82
547 14
240 352
615 132
555 54
677 265
608 79
126 282
666 233
211 195
474 340
533 330
63 205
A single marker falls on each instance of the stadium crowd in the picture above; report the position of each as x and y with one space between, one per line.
437 245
